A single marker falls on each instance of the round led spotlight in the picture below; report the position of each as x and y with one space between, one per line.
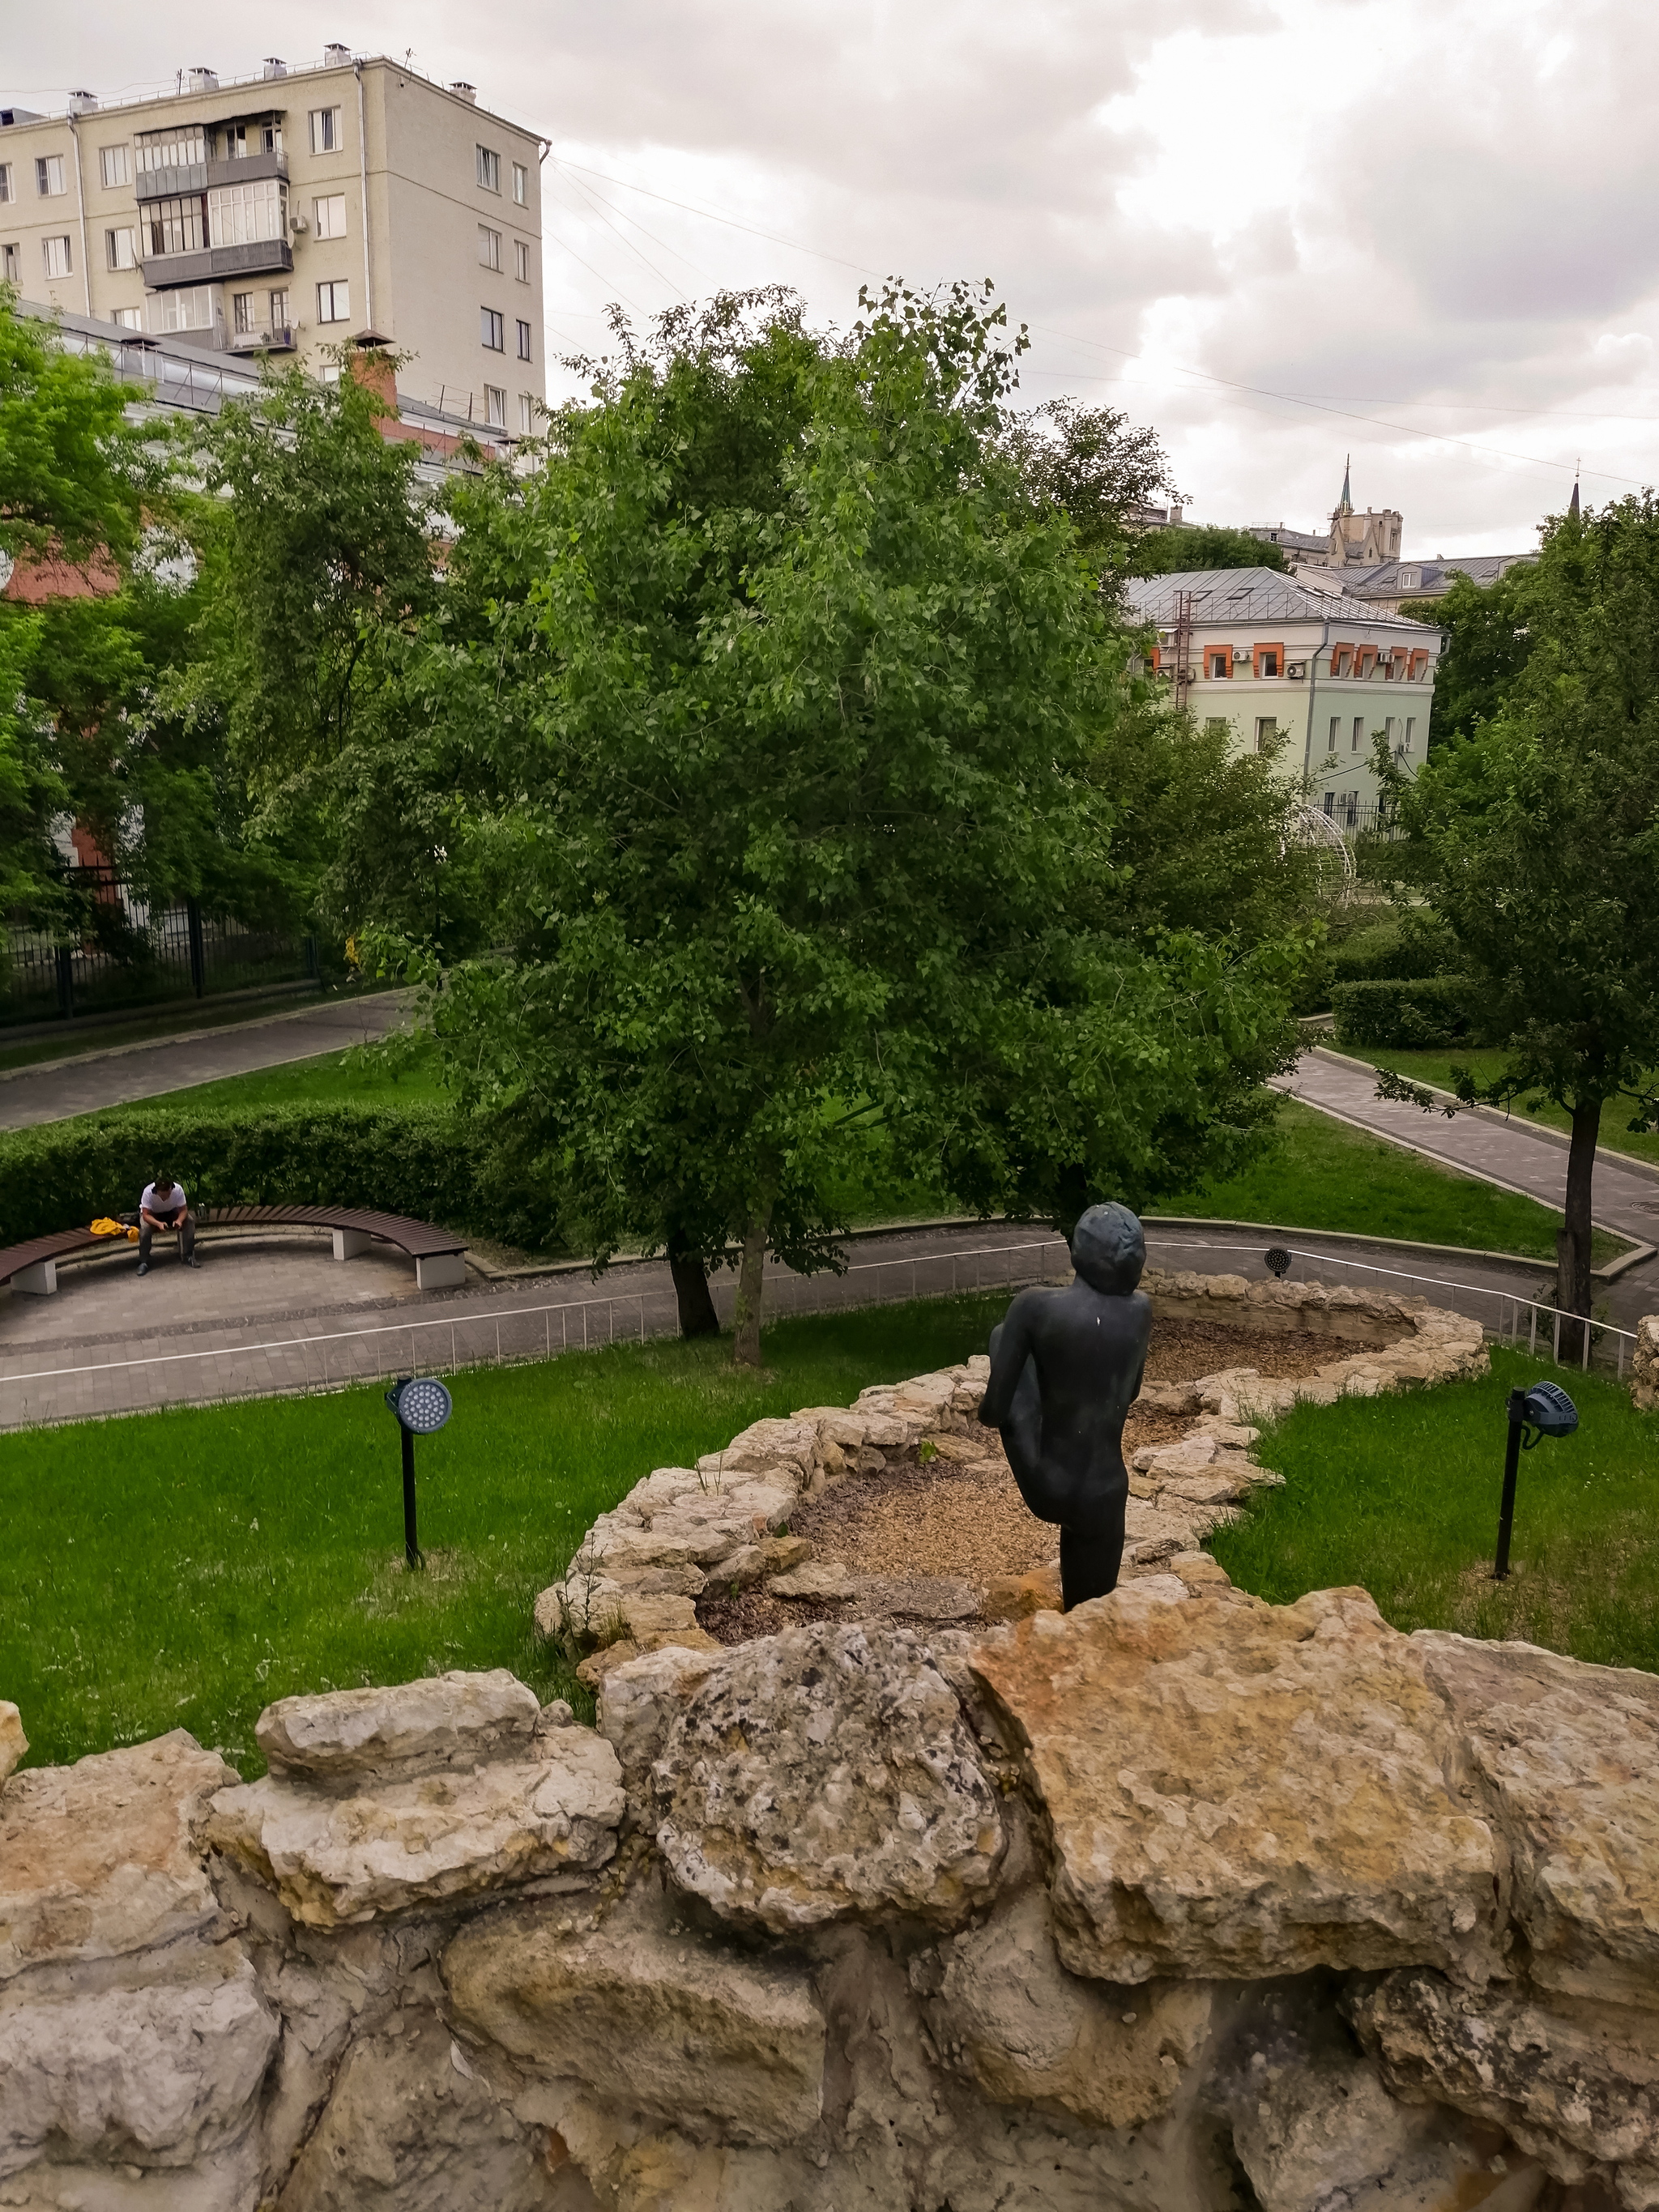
422 1405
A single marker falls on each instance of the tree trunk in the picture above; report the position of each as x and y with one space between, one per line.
746 1319
697 1315
1572 1281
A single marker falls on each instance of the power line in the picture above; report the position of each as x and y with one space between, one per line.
1229 384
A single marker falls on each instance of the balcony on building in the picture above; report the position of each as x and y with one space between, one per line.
234 225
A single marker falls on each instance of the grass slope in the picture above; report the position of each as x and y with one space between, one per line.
1399 1496
1324 1175
183 1569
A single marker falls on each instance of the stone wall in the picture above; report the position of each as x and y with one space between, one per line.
1180 1902
1645 1365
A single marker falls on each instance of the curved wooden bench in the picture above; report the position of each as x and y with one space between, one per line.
440 1256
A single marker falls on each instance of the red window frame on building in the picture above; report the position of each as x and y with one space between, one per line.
1259 653
1341 660
1364 660
1218 662
1420 665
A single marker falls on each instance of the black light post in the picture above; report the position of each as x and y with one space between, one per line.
422 1405
1546 1408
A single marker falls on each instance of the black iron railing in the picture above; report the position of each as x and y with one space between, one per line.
119 951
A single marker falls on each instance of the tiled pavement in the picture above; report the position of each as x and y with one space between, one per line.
54 1089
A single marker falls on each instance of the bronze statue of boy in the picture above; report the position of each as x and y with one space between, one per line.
1066 1367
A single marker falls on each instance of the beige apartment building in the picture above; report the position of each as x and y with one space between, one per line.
288 210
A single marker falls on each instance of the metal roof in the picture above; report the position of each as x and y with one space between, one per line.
1435 576
1253 595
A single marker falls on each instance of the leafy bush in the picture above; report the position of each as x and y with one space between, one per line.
419 1161
1428 1010
1393 951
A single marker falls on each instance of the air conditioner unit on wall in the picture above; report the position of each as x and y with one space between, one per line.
1295 668
1241 652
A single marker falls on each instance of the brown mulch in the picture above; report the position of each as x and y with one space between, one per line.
946 1516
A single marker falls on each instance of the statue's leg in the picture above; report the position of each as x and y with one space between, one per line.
1089 1564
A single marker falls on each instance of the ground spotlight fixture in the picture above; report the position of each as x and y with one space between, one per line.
1277 1262
422 1405
1548 1411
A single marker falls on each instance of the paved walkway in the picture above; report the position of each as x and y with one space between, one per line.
272 1312
1515 1154
51 1090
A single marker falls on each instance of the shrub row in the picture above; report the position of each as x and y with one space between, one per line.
1428 1010
419 1161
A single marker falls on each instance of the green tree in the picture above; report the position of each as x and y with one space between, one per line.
1536 836
1202 545
1094 466
1488 642
798 829
316 545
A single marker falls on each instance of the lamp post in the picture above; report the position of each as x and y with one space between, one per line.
422 1405
1546 1408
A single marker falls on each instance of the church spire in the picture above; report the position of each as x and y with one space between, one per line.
1346 504
1572 504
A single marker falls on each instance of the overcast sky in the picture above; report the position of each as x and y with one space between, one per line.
1276 229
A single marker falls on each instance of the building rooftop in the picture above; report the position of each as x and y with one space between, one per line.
1428 576
1254 595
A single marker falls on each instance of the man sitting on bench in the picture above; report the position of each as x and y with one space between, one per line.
162 1206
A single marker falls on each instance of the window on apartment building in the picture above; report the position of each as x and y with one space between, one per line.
1357 738
495 406
327 136
177 226
182 147
1216 725
1218 661
188 307
334 303
121 248
279 315
522 261
241 139
55 254
1269 661
129 319
1419 668
1388 726
1364 660
521 184
524 341
1411 730
328 216
6 193
11 263
247 214
241 314
489 168
114 166
1335 731
1267 731
49 175
492 330
489 247
526 414
1330 802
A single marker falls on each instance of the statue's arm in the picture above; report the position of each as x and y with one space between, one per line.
1011 1347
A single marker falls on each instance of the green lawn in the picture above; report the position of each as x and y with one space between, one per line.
330 1078
1324 1175
1400 1495
1435 1068
182 1569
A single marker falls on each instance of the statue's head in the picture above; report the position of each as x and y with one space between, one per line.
1108 1249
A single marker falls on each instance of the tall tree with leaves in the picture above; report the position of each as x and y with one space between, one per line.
1094 466
1488 642
1536 837
799 830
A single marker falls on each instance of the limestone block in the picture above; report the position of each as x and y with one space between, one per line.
226 2181
1645 1365
162 2075
1239 1789
645 1617
439 1720
1013 1597
817 1578
1572 2081
766 1447
13 1742
675 2023
584 1608
1568 1758
827 1774
334 1858
772 1555
598 1665
1200 1571
683 1580
639 1701
1001 2005
918 1597
96 1859
414 2126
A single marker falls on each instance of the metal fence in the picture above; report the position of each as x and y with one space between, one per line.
122 951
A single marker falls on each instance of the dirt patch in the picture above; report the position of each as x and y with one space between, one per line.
735 1619
1182 1351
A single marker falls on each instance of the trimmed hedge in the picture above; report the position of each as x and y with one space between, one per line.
420 1161
1427 1010
1393 952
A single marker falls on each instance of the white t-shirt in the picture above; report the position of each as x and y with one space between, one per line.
175 1201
